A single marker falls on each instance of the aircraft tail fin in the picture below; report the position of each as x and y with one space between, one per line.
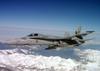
77 31
66 34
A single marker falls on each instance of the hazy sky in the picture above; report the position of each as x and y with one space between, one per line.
64 15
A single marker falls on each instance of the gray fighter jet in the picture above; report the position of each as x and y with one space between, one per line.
52 42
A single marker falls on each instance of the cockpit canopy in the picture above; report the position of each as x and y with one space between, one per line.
34 34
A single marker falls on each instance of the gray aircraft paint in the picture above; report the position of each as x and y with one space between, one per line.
52 42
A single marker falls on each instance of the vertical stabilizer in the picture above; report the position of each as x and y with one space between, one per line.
77 31
66 34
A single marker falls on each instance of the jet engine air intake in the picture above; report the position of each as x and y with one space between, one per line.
56 42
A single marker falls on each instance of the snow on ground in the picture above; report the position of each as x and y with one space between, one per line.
27 62
88 54
90 57
24 60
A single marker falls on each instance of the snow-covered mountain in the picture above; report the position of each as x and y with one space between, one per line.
90 57
34 58
22 62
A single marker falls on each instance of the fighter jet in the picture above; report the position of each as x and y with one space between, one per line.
52 42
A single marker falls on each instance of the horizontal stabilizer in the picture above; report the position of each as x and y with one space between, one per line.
87 33
90 31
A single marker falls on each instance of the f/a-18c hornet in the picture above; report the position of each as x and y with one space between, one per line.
52 42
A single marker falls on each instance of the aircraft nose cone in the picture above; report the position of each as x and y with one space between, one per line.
11 42
5 42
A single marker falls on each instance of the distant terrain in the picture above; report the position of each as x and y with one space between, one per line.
18 58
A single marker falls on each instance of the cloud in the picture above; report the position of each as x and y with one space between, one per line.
90 57
88 54
30 29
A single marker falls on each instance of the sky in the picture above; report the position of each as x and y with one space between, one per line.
54 17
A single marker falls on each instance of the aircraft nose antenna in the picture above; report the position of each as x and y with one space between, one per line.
5 42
